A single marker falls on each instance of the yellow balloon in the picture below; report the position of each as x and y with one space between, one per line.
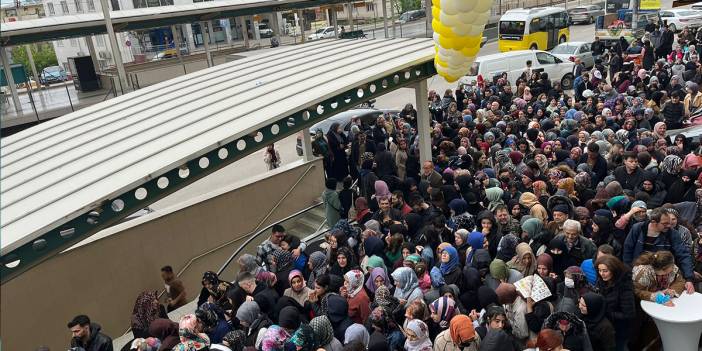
470 50
435 12
441 28
436 3
439 62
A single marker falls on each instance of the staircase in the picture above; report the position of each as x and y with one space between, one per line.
307 223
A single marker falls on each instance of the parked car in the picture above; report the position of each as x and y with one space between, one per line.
264 30
696 6
410 16
571 50
483 40
52 74
585 14
514 64
367 116
677 19
322 33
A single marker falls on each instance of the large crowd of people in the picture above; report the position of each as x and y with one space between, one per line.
542 219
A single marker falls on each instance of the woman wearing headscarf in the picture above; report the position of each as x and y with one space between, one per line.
191 337
460 217
298 290
282 265
442 310
247 263
377 278
345 261
515 309
337 147
417 334
459 336
166 331
531 202
683 189
278 335
494 196
358 301
363 213
317 264
338 313
357 333
324 334
525 261
253 322
670 169
214 290
320 148
476 241
146 310
406 285
591 309
450 266
500 273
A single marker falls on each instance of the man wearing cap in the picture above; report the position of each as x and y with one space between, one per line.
560 215
630 174
636 214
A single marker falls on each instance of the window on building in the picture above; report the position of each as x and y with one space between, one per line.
79 6
370 7
64 7
100 40
50 6
74 42
91 6
59 43
115 5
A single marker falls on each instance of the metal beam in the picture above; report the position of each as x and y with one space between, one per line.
385 18
206 40
113 211
10 79
116 54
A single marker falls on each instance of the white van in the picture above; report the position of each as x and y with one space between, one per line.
514 63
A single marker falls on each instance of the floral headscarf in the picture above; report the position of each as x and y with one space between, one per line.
355 279
385 300
189 339
145 310
304 338
422 342
275 338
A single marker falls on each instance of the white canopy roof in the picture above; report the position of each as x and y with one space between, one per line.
60 169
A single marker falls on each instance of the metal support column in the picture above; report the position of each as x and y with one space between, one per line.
301 24
244 31
307 146
206 39
275 25
428 30
31 63
385 18
11 80
176 40
93 54
350 16
423 120
334 22
116 54
392 19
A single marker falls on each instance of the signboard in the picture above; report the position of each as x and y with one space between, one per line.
650 5
18 74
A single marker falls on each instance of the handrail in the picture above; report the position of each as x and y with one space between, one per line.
231 258
241 248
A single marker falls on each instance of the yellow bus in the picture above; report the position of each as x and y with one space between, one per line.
539 28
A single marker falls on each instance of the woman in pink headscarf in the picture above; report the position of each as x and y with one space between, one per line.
381 190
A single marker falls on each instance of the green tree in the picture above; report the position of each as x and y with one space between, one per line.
43 53
402 6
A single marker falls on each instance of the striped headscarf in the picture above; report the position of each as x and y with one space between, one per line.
445 307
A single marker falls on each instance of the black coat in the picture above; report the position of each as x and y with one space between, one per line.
619 298
97 342
266 298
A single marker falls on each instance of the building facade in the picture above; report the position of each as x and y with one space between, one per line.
25 10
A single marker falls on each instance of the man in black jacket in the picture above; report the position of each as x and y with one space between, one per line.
596 162
265 297
87 335
674 111
665 45
630 174
597 48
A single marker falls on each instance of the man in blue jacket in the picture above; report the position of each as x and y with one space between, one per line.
656 235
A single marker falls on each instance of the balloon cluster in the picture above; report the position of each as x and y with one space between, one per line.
458 29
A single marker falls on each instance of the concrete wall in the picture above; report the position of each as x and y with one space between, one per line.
102 278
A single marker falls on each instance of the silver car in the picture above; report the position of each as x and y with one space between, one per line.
571 50
585 14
